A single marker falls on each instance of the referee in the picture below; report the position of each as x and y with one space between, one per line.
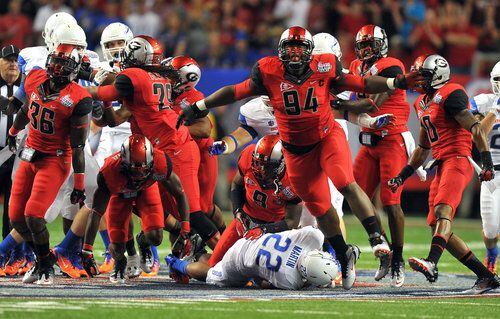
10 78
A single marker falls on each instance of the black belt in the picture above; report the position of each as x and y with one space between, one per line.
496 167
298 149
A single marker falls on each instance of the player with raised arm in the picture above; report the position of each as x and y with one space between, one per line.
487 109
128 180
448 129
315 146
287 260
58 115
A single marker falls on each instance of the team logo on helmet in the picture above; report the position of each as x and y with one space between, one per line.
192 77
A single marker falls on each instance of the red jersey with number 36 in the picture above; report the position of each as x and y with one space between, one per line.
49 115
263 204
396 103
184 100
150 106
447 137
301 104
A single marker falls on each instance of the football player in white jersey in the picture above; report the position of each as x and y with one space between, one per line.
288 260
487 108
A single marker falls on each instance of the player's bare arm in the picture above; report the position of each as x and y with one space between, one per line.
231 142
200 128
19 124
78 134
174 187
355 107
486 122
375 83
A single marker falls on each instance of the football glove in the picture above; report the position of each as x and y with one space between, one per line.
89 263
182 247
409 80
190 113
77 196
85 71
396 182
254 233
100 76
97 109
383 120
217 148
242 222
488 171
12 143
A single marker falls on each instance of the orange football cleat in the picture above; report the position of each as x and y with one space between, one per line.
108 265
491 262
13 265
64 263
155 268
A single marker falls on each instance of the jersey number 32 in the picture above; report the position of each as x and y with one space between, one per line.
267 253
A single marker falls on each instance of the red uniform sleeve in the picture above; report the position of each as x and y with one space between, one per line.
245 160
162 164
107 93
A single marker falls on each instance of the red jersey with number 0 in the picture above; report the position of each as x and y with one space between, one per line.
50 115
116 181
448 138
263 204
301 105
184 100
151 111
395 104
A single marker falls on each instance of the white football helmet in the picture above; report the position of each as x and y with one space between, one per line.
326 43
69 34
434 68
267 102
115 32
318 267
52 23
495 78
188 70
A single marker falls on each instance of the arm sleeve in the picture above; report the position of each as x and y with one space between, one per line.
83 107
295 201
169 165
456 102
101 182
256 78
391 72
338 69
124 86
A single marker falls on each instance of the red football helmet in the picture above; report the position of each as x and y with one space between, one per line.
371 43
137 158
142 51
188 71
295 46
268 164
63 64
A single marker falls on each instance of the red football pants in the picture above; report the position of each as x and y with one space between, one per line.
376 165
36 186
119 211
309 172
186 162
452 176
226 241
207 176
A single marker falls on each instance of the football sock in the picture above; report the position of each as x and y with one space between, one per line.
340 247
130 245
71 242
397 254
490 252
383 234
438 245
27 251
180 266
471 262
105 238
371 225
43 251
154 251
7 244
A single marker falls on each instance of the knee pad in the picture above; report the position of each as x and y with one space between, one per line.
203 225
154 237
38 229
22 228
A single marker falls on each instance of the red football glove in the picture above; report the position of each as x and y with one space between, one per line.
241 222
183 246
254 233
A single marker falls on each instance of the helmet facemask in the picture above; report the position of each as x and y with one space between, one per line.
295 54
369 50
62 70
268 172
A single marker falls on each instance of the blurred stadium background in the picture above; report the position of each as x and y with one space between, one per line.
227 37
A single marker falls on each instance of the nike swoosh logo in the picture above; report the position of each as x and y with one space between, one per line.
177 153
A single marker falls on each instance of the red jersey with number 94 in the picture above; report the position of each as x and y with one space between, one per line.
301 104
49 115
150 106
447 137
263 204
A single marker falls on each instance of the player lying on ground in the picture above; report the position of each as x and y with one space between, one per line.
448 128
127 181
487 109
287 260
315 146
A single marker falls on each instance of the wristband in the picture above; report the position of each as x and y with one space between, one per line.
231 136
185 227
13 131
390 83
79 181
201 105
406 172
88 247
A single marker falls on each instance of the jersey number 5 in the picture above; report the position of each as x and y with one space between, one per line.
430 128
42 118
165 94
292 103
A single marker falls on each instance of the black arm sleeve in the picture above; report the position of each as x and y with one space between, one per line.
169 165
391 72
295 201
83 107
101 182
124 86
456 102
338 69
250 130
256 78
238 197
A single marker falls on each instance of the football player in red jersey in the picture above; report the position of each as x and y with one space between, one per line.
58 111
315 147
145 89
129 180
448 129
184 94
383 151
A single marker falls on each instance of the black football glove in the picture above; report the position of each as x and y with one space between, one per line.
89 263
85 72
488 171
77 196
396 182
12 143
190 113
97 109
409 80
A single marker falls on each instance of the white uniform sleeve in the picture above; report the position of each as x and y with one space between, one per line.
482 103
255 114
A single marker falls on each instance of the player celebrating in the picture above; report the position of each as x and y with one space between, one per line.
315 147
58 109
129 180
287 260
448 128
487 108
145 94
383 152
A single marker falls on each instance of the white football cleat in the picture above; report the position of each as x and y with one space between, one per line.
31 275
46 276
398 274
349 274
384 267
133 266
380 246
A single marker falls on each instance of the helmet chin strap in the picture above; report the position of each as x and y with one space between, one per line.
296 68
